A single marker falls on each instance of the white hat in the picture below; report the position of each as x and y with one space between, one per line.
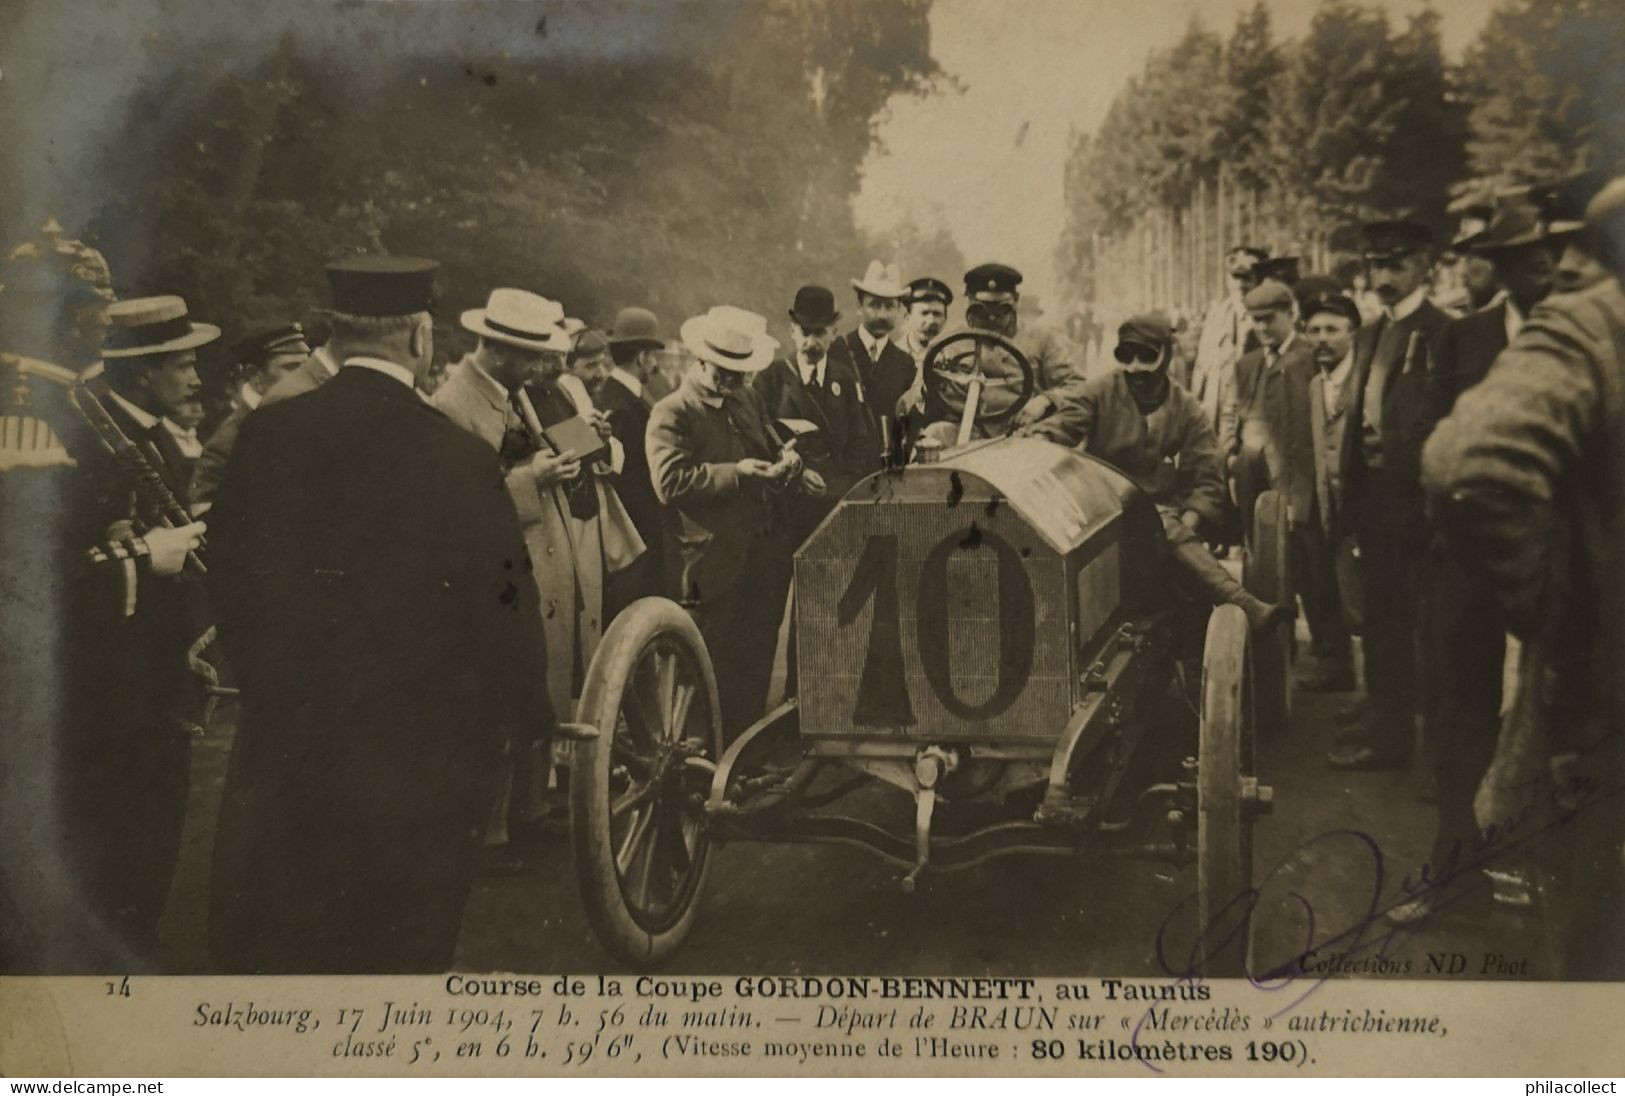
153 325
732 338
882 280
519 318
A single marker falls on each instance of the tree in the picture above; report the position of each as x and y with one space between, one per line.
1545 79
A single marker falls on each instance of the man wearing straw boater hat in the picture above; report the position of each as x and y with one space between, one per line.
368 578
722 474
94 763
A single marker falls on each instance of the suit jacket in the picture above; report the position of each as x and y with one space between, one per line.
211 466
1467 348
713 515
885 380
1326 439
1170 453
1272 414
368 574
629 421
1406 345
565 551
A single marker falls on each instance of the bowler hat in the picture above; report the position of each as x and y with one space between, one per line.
636 326
519 318
814 307
153 325
383 285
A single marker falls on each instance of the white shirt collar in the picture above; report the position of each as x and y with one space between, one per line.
713 402
249 395
146 419
811 373
185 439
873 345
1514 320
387 368
1409 303
325 360
633 385
1333 383
1275 355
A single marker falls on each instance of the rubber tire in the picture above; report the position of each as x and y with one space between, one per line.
1267 575
1224 848
634 629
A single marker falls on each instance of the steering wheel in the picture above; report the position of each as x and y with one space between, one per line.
1006 377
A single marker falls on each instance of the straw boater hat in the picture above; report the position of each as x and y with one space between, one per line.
882 280
153 325
731 338
519 318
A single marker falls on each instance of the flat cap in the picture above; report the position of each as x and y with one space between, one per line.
932 289
1335 303
991 278
1395 239
1146 329
1269 296
383 285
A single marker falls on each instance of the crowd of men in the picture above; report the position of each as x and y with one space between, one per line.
406 580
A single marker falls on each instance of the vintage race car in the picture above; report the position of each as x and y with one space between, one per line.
994 634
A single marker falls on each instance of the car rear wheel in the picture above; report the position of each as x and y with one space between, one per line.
1225 789
1266 573
637 792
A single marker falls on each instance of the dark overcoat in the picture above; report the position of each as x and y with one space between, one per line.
370 582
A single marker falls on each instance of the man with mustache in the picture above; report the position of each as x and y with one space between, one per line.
1464 646
1137 419
813 386
884 370
1379 468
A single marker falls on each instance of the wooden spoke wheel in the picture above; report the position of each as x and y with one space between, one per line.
1226 790
1266 573
637 792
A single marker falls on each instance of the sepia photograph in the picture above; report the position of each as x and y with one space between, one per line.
813 494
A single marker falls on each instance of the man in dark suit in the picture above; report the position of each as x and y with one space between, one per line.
94 760
634 343
262 359
1382 491
812 387
722 479
1273 448
371 585
885 371
1464 632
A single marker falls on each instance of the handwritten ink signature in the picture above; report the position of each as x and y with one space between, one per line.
1223 943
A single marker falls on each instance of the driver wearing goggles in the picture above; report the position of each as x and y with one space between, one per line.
1156 432
992 298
